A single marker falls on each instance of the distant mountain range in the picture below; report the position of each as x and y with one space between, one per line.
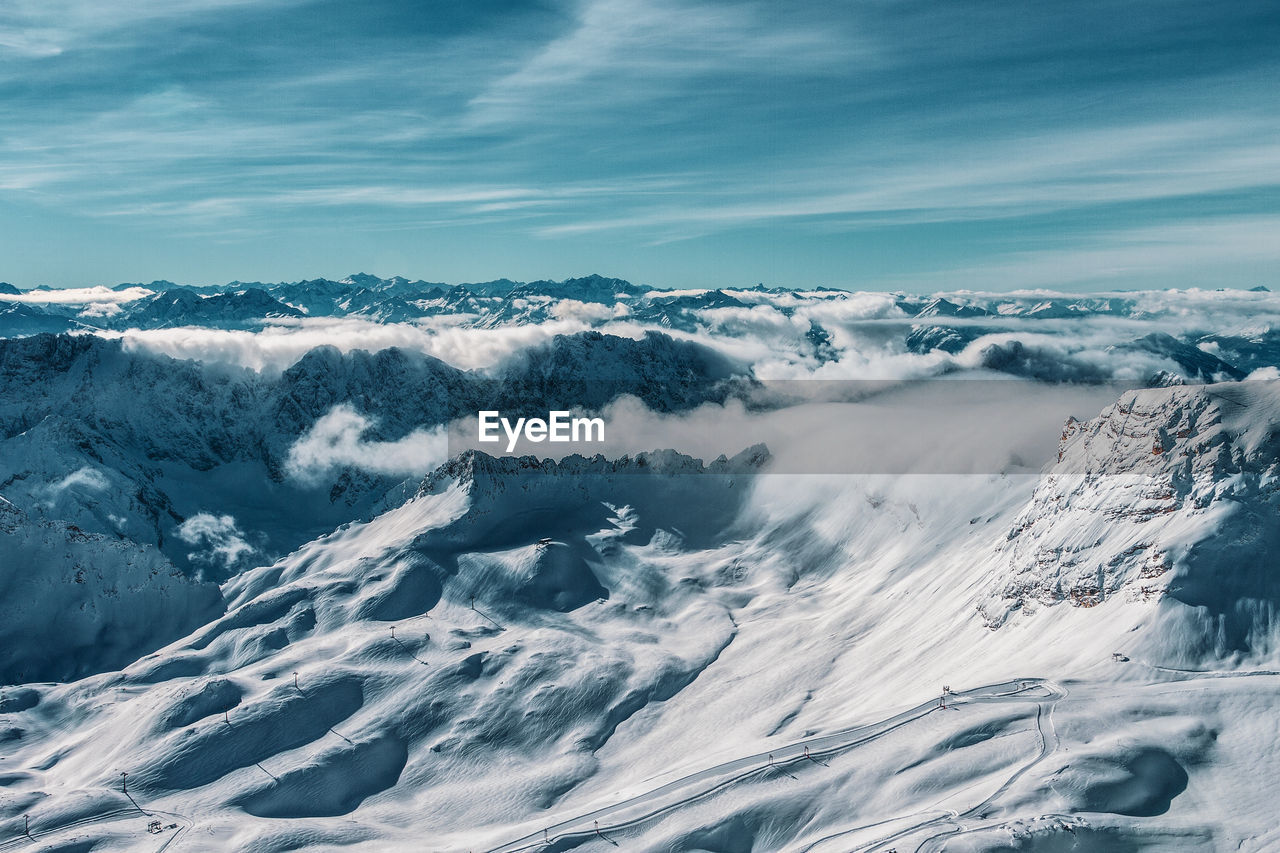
990 329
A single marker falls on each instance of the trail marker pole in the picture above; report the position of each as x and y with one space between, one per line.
226 717
295 683
393 632
26 825
124 783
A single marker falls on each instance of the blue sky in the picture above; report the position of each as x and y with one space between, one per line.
872 145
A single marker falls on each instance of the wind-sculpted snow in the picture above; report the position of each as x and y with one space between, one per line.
500 658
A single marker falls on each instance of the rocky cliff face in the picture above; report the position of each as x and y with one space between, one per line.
1169 496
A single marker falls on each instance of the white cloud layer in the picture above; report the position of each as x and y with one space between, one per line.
866 334
86 478
279 345
337 441
218 540
88 296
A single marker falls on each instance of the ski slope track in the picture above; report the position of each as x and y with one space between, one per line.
672 795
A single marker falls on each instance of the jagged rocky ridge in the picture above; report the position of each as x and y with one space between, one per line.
147 425
1169 496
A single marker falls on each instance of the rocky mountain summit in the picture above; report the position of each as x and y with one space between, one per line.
1171 496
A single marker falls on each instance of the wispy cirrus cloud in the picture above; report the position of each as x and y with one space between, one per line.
870 142
620 52
988 179
1147 254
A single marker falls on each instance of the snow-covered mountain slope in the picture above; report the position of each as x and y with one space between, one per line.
17 319
181 307
127 443
73 602
478 627
654 654
1168 496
